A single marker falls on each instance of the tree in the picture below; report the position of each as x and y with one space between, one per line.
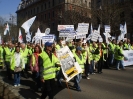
75 12
107 15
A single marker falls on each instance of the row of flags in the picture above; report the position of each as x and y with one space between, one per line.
26 26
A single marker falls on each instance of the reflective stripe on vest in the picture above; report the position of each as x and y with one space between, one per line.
49 66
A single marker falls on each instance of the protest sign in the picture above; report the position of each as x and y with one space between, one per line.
95 36
48 38
128 54
80 36
82 28
107 28
65 30
69 67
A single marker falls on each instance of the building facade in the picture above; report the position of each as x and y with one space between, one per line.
51 13
114 13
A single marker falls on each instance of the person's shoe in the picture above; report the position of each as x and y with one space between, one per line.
93 73
15 85
123 69
87 78
19 85
79 90
117 69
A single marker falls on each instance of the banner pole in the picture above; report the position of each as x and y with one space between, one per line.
69 91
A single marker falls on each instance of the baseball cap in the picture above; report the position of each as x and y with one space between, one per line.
48 44
79 48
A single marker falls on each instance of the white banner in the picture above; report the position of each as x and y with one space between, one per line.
83 28
69 67
107 28
95 36
80 36
65 30
129 55
48 38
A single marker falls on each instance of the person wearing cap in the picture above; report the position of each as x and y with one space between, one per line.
80 59
48 62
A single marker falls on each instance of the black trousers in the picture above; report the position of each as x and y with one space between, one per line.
100 65
48 89
8 70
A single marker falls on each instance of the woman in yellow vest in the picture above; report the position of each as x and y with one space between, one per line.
35 66
17 64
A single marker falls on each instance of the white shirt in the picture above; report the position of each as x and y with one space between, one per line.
17 59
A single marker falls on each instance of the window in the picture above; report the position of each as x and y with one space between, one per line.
31 11
53 25
121 1
45 6
37 9
49 4
53 2
131 14
45 16
41 7
34 10
53 14
49 15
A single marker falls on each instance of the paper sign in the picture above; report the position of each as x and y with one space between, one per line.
69 67
82 28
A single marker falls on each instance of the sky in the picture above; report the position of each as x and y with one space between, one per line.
8 7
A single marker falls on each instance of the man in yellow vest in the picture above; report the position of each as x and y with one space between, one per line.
80 59
7 54
48 62
26 53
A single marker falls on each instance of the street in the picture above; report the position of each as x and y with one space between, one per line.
111 84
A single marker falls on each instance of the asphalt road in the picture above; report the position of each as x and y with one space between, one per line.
111 84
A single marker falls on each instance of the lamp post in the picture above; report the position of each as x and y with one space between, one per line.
11 29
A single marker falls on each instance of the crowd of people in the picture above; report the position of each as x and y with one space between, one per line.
42 61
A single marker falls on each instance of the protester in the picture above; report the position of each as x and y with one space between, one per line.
17 65
47 63
119 56
80 59
8 52
26 53
35 66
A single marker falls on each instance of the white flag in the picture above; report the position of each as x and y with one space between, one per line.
98 28
6 29
26 25
28 37
125 28
38 30
20 38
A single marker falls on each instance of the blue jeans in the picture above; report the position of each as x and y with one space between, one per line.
111 59
16 78
59 75
119 63
77 79
91 67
